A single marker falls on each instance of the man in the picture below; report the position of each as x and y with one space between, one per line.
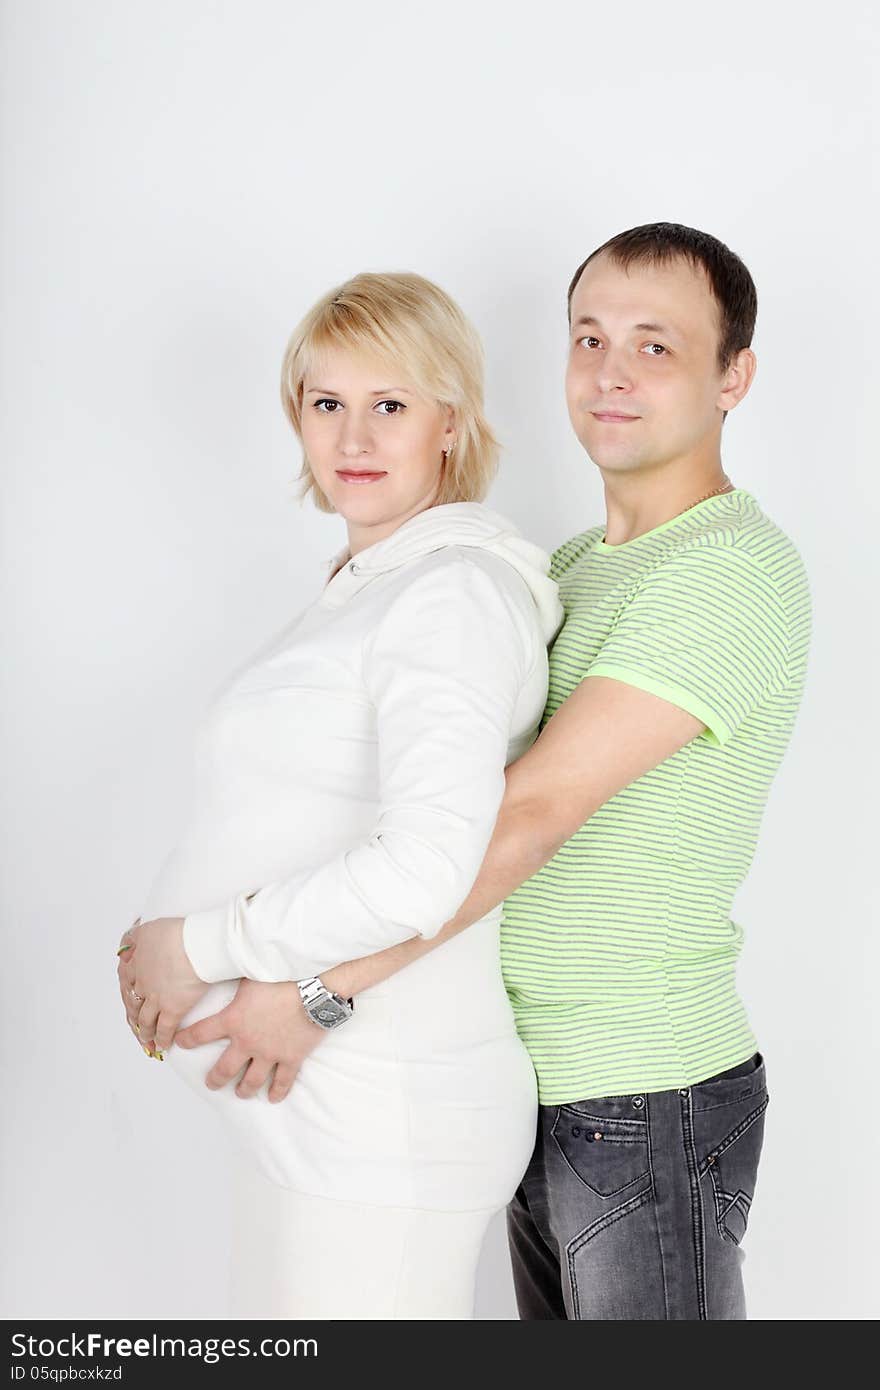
628 826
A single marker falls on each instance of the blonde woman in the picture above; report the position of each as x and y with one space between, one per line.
348 779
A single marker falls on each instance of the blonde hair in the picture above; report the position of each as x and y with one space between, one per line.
410 323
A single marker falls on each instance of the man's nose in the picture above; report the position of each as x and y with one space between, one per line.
615 372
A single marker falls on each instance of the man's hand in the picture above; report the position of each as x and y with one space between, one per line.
267 1028
157 982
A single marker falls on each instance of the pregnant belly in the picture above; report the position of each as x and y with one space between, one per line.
371 1118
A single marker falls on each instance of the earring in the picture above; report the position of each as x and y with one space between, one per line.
447 452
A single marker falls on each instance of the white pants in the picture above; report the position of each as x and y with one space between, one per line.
296 1256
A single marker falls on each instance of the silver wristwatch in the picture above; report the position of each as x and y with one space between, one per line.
326 1009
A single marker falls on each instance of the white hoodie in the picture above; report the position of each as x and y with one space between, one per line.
348 778
350 775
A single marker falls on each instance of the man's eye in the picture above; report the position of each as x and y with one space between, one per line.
660 349
325 400
398 407
590 341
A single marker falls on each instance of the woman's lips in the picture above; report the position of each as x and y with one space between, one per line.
358 477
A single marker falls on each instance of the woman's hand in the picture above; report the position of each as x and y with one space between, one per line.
125 976
267 1028
157 981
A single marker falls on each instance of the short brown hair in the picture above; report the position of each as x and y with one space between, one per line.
658 243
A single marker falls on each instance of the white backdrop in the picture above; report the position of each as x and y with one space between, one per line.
180 182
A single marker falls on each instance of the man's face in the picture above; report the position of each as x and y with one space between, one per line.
643 384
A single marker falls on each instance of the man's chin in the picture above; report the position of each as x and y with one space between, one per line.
613 461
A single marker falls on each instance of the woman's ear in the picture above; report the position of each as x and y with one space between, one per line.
449 434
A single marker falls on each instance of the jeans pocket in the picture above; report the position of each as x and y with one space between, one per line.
609 1156
732 1161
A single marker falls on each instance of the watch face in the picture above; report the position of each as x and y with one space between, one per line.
328 1013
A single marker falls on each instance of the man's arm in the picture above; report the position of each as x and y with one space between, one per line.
605 736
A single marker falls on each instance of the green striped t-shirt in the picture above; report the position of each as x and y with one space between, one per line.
619 955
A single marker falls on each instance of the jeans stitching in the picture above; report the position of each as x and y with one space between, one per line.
721 1211
597 1227
659 1237
732 1137
625 1142
697 1224
627 1121
722 1104
726 1200
746 1093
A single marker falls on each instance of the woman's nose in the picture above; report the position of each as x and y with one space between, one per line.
355 436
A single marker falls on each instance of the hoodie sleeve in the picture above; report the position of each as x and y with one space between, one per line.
444 668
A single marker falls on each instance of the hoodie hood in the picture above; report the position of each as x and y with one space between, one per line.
453 523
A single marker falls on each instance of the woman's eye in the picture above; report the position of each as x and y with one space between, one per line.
660 352
328 406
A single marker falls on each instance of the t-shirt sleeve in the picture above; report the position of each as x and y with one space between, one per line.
443 669
704 629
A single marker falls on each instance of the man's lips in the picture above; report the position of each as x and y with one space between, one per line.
612 417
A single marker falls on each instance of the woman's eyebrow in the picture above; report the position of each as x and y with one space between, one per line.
383 391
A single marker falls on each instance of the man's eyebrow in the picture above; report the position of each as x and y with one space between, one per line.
385 391
587 320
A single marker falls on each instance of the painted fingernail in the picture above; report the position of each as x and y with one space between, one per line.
146 1049
123 948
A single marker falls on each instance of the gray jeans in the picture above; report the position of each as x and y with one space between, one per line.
635 1207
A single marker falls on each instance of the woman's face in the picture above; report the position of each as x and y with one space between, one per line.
374 444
